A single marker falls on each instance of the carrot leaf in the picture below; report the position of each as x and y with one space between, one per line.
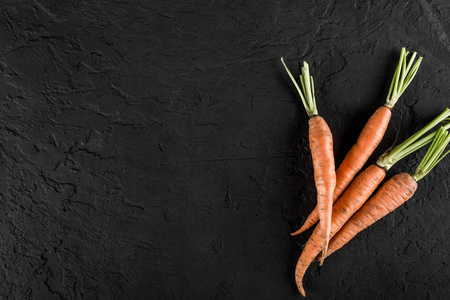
404 74
413 143
434 154
306 89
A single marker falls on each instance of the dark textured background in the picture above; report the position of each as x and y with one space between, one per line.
157 150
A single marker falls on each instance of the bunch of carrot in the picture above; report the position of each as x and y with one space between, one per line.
342 210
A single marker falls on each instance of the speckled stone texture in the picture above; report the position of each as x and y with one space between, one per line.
157 149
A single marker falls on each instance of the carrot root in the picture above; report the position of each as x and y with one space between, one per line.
321 145
358 155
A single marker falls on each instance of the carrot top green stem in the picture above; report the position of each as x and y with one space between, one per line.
403 76
390 157
306 89
433 155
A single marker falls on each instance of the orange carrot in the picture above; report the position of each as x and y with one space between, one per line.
391 195
368 140
321 145
360 190
371 134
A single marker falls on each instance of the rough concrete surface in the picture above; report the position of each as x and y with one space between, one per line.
157 150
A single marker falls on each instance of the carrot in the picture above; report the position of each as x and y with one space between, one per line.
392 194
360 190
321 145
371 134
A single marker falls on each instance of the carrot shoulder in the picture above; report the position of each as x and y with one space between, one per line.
371 135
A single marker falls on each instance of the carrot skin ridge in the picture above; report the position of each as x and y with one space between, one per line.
352 199
321 146
392 194
367 142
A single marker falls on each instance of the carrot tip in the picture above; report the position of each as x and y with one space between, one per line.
297 232
324 255
302 291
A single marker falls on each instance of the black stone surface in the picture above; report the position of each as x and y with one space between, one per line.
157 150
